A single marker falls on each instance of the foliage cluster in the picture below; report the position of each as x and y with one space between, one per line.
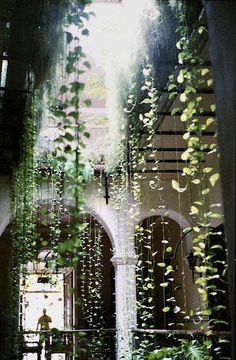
140 109
25 240
188 350
194 74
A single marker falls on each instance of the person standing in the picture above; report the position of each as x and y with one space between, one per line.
43 321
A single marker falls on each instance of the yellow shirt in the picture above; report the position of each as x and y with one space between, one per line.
44 321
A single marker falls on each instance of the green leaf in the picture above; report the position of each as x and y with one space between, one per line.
180 77
195 181
209 82
183 117
183 97
69 37
205 191
201 29
85 32
194 210
88 102
178 45
172 95
146 101
187 170
70 68
166 309
176 186
207 170
77 86
67 148
213 107
69 137
209 121
181 57
213 179
144 87
175 110
204 71
200 281
215 216
216 247
87 135
165 284
185 155
186 135
172 87
162 264
87 64
63 89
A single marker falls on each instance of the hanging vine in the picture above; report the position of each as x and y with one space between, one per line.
25 241
192 75
23 233
91 287
140 113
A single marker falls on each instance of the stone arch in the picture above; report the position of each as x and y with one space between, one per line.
103 222
93 213
174 215
6 221
182 287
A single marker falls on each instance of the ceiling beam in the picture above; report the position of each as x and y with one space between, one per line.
168 171
167 149
198 91
168 161
25 91
179 113
175 133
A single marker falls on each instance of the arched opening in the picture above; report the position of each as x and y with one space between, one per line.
165 288
217 243
95 279
79 297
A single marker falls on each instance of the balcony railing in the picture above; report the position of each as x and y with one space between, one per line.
84 343
158 338
99 344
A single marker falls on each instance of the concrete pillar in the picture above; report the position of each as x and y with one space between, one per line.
126 318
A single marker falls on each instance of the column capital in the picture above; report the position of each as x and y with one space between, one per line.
124 260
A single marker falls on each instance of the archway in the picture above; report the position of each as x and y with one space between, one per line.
95 278
86 290
164 279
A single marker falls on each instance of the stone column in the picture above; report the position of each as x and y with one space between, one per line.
126 318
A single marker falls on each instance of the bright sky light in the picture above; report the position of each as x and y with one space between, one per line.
115 30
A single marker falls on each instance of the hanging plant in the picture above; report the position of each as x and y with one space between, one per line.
91 286
25 241
72 132
189 350
23 233
191 76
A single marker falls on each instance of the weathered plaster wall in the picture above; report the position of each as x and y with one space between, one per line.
5 207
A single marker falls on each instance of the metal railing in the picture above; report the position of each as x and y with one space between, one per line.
158 338
84 343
